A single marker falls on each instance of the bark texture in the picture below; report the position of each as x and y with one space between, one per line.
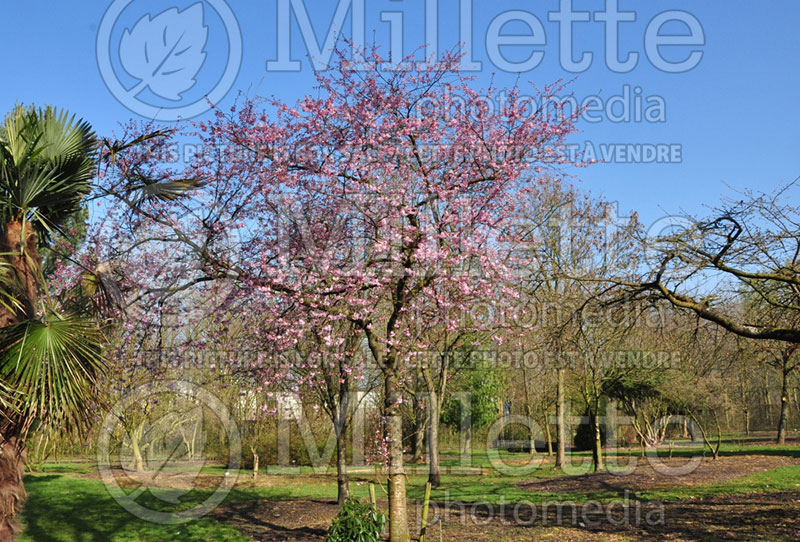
18 244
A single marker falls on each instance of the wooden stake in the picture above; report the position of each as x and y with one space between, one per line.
372 498
425 503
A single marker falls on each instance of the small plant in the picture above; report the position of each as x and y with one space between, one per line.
358 521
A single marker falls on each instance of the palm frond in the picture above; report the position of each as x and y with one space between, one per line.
52 365
115 148
47 159
101 287
150 190
11 289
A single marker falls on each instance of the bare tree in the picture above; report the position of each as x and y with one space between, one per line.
782 356
748 245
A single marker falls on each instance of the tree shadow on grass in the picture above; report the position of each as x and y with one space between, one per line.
65 509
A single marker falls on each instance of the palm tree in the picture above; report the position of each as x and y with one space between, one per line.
50 358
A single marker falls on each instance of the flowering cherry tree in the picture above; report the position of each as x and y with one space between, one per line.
385 197
380 195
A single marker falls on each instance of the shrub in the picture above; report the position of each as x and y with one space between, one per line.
357 521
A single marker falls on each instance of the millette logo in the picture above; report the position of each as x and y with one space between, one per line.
169 63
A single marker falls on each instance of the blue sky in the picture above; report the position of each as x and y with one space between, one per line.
733 117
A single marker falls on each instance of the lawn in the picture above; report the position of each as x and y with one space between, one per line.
64 508
67 503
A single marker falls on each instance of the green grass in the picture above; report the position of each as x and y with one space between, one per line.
496 490
68 468
66 509
778 479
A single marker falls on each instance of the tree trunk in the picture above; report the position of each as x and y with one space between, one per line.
745 406
419 444
529 413
12 490
548 436
192 453
398 515
747 422
531 427
18 243
784 407
597 449
767 398
342 489
26 266
434 470
341 411
136 436
357 431
419 432
706 440
561 429
137 462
